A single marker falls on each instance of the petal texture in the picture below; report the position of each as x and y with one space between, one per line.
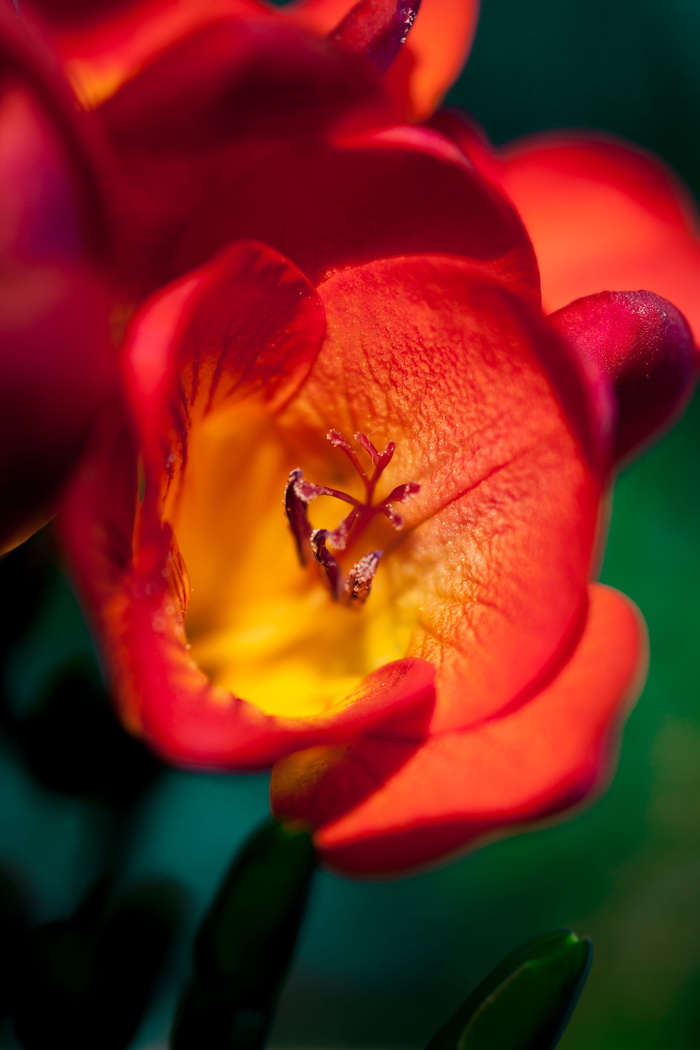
394 801
497 545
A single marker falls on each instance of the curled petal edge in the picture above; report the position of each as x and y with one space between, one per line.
421 800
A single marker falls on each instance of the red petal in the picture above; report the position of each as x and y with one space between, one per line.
375 30
56 362
247 322
390 193
56 370
432 57
204 117
396 801
104 44
604 215
644 347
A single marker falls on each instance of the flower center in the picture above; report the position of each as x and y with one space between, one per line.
351 588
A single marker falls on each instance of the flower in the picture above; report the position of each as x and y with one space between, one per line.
479 618
634 225
345 514
103 48
56 362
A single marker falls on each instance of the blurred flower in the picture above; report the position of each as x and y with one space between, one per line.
351 333
103 43
56 364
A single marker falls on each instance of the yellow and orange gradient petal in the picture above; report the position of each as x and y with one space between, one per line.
395 800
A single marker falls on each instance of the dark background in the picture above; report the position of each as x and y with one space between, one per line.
381 965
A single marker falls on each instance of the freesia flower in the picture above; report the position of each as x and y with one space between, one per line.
345 515
56 363
104 44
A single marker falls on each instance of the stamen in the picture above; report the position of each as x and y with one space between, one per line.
330 566
359 582
338 441
364 442
353 589
339 536
295 506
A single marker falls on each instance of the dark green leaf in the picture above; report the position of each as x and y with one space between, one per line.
245 943
526 1002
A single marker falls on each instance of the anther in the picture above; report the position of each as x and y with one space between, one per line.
359 582
323 556
295 506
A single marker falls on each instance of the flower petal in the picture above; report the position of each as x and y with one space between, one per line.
205 116
393 801
56 361
368 196
106 44
491 567
432 57
605 215
246 323
376 30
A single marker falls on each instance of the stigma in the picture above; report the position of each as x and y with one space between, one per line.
352 588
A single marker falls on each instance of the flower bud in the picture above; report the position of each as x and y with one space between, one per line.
643 345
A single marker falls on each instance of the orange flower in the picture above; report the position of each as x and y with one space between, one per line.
474 632
345 516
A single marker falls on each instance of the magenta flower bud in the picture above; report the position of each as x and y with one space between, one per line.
643 345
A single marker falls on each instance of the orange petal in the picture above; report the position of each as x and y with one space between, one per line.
605 216
247 324
471 385
393 801
191 348
432 57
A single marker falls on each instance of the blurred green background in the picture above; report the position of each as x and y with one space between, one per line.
381 965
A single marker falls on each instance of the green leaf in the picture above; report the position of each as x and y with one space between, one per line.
526 1002
246 942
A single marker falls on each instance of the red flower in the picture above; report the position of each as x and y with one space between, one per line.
104 44
605 214
345 516
56 364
